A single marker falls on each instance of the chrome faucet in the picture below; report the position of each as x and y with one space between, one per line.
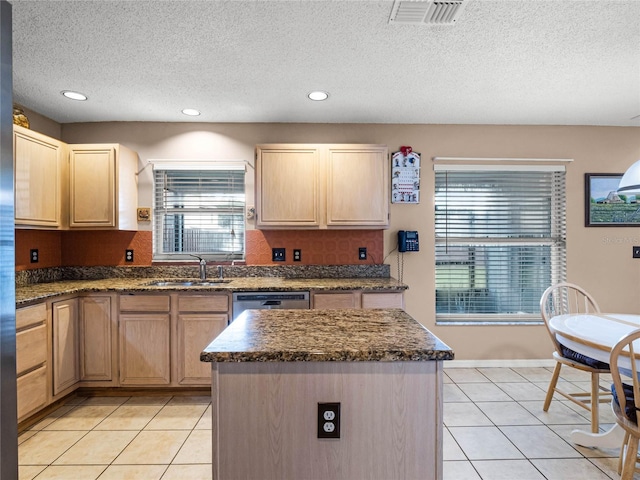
203 267
220 273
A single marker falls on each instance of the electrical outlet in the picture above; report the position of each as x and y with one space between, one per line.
297 255
34 255
278 254
128 255
636 252
329 420
362 253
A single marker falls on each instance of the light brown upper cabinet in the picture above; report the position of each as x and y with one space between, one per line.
311 186
103 190
39 176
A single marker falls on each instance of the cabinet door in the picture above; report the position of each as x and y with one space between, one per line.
383 300
357 186
195 332
288 186
66 371
95 338
32 392
92 186
329 301
38 179
145 349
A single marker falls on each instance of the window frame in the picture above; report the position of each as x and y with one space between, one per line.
556 241
195 166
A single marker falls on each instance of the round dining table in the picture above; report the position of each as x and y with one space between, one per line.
594 335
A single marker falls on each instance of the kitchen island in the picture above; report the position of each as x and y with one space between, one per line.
272 368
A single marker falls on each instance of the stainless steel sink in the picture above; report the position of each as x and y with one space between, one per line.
186 283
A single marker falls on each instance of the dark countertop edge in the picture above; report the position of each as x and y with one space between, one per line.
386 356
54 292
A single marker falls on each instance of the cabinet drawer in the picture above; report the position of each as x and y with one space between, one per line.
203 303
31 315
335 300
31 348
383 300
145 303
32 391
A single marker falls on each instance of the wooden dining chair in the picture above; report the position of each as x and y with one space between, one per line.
560 299
626 400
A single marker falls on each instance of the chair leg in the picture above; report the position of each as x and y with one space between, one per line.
622 449
630 458
595 402
552 386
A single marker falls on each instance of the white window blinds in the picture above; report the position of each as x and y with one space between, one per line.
500 240
199 211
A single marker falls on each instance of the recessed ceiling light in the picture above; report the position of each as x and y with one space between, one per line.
318 95
74 95
192 112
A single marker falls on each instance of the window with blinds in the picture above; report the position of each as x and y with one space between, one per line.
500 241
200 212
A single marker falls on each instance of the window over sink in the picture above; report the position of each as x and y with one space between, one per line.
199 209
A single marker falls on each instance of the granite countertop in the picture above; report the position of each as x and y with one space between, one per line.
43 291
325 336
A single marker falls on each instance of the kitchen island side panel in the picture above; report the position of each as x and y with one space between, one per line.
265 420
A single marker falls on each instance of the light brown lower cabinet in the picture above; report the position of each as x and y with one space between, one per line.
31 359
66 361
357 299
97 339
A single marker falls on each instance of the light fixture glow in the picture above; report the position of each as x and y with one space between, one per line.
192 112
74 95
318 96
630 181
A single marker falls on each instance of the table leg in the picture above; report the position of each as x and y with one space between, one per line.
612 438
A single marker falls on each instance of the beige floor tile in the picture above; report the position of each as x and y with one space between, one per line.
190 399
569 469
539 441
82 417
52 417
484 392
609 466
129 417
464 415
45 447
149 400
192 472
564 432
177 417
205 420
105 400
68 472
452 393
523 391
134 472
502 375
450 449
26 435
29 472
507 413
197 448
97 448
507 470
153 448
466 375
459 470
534 374
75 400
484 443
446 378
558 413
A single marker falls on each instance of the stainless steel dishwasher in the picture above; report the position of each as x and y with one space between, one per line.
269 300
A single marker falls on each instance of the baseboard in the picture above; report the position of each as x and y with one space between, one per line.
504 363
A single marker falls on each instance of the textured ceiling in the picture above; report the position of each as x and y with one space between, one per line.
556 62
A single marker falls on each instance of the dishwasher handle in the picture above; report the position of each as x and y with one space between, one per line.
270 303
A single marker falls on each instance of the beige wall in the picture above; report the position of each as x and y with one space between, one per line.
597 258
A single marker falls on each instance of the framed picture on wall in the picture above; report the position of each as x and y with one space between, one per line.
604 206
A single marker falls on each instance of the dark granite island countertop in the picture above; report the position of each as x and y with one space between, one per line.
325 336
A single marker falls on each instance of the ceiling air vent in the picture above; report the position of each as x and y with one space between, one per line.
428 12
